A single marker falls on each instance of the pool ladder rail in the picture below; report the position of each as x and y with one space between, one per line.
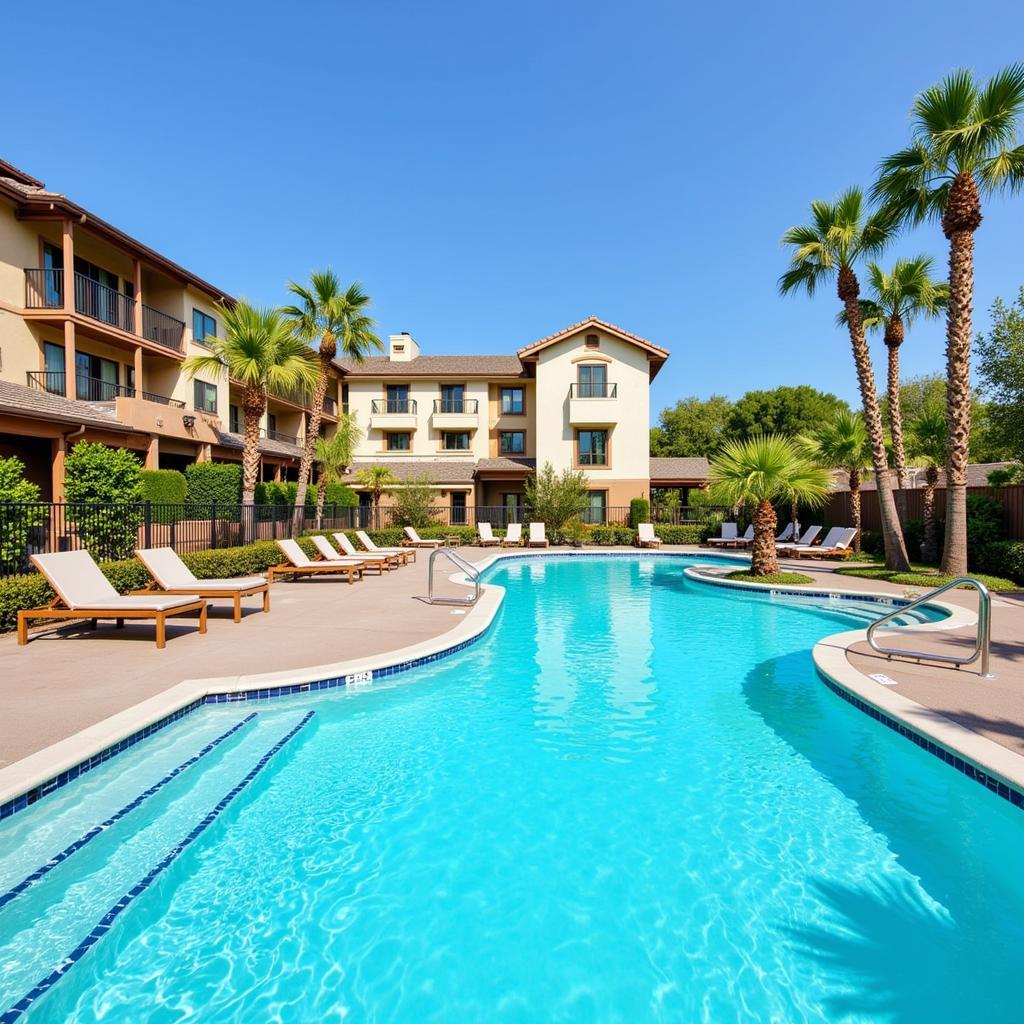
460 563
983 641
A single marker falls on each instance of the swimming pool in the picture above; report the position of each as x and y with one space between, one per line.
632 800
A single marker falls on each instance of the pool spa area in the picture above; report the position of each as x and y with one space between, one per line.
631 798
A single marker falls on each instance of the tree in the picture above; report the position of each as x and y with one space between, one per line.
334 455
375 479
839 235
926 444
554 499
843 444
260 351
895 300
692 427
338 319
20 513
784 410
414 502
760 471
964 148
1001 370
97 480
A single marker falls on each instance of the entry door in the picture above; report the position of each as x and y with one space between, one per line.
512 504
458 508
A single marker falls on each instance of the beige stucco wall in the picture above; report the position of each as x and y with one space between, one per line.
19 248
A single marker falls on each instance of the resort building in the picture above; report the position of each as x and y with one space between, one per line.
94 327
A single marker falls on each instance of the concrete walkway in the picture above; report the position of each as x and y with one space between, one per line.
68 679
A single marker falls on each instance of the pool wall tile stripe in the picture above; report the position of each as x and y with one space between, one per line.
23 1005
89 836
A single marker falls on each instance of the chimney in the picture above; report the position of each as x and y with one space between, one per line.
402 348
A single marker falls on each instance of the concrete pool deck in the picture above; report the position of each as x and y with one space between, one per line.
70 680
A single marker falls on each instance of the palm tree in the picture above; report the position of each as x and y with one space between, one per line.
843 444
841 233
896 299
260 351
338 319
760 471
375 479
927 439
964 148
333 456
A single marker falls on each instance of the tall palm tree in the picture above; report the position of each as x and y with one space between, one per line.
375 479
927 439
896 299
841 233
334 455
260 351
843 444
964 148
759 471
337 318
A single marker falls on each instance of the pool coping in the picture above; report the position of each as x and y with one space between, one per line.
28 780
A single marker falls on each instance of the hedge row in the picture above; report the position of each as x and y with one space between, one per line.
1003 558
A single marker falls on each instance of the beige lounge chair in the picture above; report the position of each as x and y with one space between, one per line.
728 535
83 592
513 536
408 554
810 535
646 537
837 544
787 534
485 534
172 576
328 553
413 540
386 558
300 564
733 541
537 536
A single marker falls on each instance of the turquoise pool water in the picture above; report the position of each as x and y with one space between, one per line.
632 801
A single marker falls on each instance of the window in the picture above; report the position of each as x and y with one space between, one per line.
399 442
204 396
593 447
96 379
271 421
344 398
512 442
512 401
455 441
597 506
513 505
591 341
53 360
593 382
234 419
453 398
203 326
398 398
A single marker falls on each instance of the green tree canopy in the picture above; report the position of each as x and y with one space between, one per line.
555 499
788 411
692 427
1001 373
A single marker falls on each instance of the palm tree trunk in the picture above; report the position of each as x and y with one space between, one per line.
252 406
896 426
312 433
763 560
895 549
930 546
855 506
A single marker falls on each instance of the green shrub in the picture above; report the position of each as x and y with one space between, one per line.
984 524
872 543
97 480
575 532
16 525
1003 558
606 533
341 495
164 487
639 512
209 482
913 534
687 533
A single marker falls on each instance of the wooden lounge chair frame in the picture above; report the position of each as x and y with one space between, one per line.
542 542
408 542
234 593
389 559
353 572
406 554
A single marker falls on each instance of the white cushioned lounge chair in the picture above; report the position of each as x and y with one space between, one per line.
172 576
809 537
330 554
386 558
406 554
485 535
646 537
83 592
538 539
837 544
300 564
513 536
728 535
413 539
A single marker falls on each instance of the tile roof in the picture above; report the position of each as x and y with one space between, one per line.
594 321
679 469
439 472
18 400
977 476
267 444
434 366
506 465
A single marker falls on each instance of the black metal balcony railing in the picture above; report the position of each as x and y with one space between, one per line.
163 329
108 305
280 435
456 405
406 406
330 405
44 289
92 389
600 389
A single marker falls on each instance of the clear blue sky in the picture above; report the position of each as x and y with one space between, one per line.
494 172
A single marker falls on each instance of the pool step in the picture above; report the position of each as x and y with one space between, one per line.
53 920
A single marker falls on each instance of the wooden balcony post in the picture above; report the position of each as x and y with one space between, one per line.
137 281
69 267
69 360
138 366
58 449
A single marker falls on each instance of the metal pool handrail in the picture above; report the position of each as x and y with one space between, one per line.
460 563
982 643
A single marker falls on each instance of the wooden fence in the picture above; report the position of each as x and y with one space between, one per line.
837 511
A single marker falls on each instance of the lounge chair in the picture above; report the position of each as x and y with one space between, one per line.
835 545
809 537
786 534
390 560
328 553
413 540
83 592
645 536
407 554
728 536
537 537
172 576
485 534
513 536
300 564
747 539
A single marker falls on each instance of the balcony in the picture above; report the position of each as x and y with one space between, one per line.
44 289
92 389
279 435
454 414
593 404
330 406
393 414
